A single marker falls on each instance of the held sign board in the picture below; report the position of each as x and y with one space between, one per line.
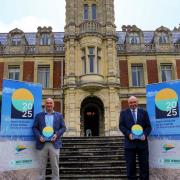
163 103
20 102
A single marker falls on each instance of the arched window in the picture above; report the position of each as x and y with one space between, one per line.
94 11
86 11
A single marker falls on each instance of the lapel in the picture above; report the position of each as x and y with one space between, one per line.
43 120
138 115
131 116
54 120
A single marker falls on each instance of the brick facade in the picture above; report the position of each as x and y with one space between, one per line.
1 73
57 106
152 71
124 104
178 68
28 71
57 74
124 80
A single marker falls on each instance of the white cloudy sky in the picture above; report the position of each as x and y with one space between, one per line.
27 15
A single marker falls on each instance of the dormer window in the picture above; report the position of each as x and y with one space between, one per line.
163 38
45 39
86 7
16 40
134 38
94 12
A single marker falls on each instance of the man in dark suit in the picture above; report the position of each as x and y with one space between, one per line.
135 146
48 129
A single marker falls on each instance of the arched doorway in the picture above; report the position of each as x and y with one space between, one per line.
92 117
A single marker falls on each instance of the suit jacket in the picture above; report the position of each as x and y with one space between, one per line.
126 121
58 126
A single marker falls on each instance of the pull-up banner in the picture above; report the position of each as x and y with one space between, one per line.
163 106
21 101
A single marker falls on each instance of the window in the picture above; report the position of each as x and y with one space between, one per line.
134 38
137 75
94 11
91 60
86 11
163 39
84 60
91 57
166 72
44 75
16 40
45 39
98 59
14 72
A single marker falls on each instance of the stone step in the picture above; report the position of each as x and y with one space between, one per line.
91 152
90 177
95 138
97 148
91 144
91 158
101 163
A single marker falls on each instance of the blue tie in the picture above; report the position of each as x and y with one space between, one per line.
134 115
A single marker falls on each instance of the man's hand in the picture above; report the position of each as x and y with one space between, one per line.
42 139
143 137
130 136
54 137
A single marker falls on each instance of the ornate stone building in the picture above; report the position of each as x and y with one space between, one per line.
91 69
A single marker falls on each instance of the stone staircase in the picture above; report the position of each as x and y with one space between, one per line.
91 158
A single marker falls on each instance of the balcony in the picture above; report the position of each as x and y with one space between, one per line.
90 27
59 48
91 81
30 49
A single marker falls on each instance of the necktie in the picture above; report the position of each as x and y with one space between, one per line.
134 115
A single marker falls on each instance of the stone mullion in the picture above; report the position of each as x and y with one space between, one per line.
110 58
72 58
113 108
72 111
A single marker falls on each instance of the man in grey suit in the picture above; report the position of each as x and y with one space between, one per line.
48 129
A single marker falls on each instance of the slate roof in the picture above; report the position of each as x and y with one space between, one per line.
58 37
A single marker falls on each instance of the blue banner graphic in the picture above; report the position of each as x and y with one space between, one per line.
163 103
20 102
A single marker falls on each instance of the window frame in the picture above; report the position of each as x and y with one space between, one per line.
86 12
94 11
15 71
139 75
45 79
45 39
166 72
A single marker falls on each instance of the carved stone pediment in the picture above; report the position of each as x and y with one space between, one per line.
177 29
162 29
16 31
16 37
130 28
44 29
